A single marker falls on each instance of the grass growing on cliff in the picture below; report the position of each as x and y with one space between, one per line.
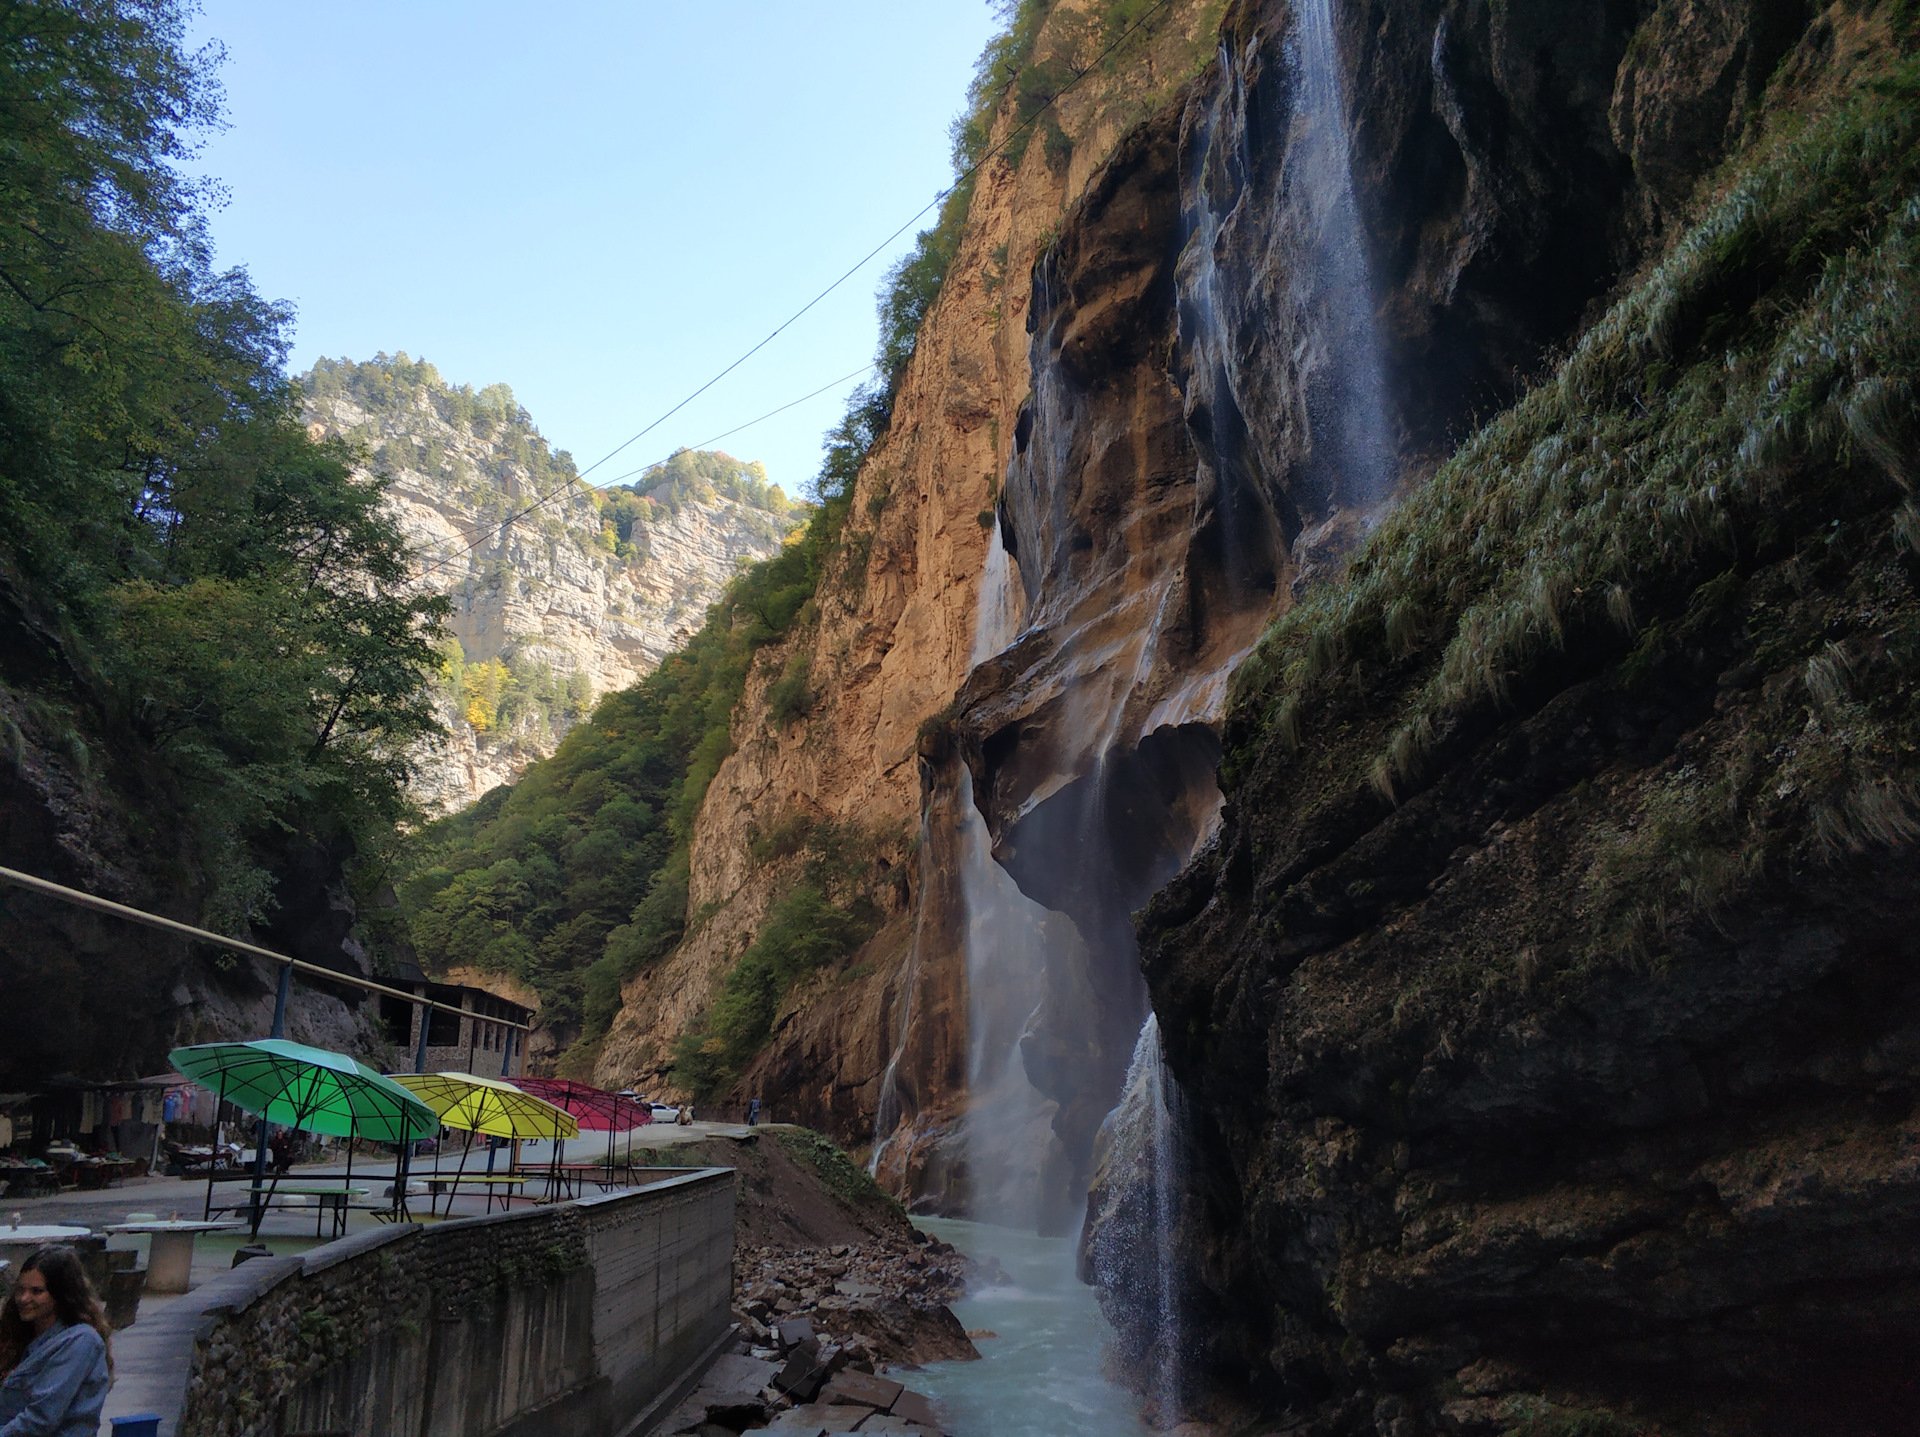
819 921
838 1173
1750 402
1534 1417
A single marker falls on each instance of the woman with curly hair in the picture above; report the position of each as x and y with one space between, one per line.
54 1363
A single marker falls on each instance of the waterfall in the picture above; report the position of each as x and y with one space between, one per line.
996 620
1097 752
1133 1241
1008 1143
1347 396
893 1101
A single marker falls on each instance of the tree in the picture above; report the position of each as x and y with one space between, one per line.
215 593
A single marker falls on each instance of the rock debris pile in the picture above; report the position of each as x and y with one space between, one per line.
819 1324
885 1301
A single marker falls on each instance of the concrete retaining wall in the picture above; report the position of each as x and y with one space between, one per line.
560 1320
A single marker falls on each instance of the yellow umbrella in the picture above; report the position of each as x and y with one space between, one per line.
486 1105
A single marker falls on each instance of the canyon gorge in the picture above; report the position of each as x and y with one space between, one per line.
1487 1020
1338 733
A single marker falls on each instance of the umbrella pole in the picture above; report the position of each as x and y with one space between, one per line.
281 993
459 1173
609 1157
261 1200
213 1153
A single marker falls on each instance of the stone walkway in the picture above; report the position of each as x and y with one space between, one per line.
150 1366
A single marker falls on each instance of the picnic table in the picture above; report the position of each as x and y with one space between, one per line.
100 1172
170 1256
504 1186
564 1179
199 1158
328 1198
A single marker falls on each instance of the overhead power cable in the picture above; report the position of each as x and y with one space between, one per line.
1015 133
82 899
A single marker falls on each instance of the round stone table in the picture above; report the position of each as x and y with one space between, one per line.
18 1243
170 1258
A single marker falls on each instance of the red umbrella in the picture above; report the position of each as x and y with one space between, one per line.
593 1108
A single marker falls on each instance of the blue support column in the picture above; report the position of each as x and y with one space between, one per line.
260 1155
405 1165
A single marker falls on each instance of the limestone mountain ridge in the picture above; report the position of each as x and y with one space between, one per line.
554 603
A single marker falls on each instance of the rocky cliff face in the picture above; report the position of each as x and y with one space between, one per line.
1434 1191
568 614
1541 1007
895 639
95 997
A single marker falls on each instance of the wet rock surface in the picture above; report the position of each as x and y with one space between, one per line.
880 1302
1497 1129
820 1327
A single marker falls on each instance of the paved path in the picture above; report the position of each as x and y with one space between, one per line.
148 1375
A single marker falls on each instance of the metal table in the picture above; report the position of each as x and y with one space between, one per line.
332 1198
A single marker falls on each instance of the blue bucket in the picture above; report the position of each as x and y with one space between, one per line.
147 1424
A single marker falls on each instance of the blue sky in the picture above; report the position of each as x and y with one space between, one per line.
602 205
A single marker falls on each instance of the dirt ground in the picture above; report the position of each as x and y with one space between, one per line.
796 1189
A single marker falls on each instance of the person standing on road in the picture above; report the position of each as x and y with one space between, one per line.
54 1364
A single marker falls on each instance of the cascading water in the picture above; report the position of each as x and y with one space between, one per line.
1082 770
1009 1142
1347 398
1144 1177
996 622
893 1100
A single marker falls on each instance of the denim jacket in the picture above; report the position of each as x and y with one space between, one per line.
59 1387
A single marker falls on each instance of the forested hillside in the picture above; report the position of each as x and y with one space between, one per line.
559 591
530 880
211 666
577 876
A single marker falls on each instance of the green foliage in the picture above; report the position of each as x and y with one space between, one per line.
790 697
1536 1417
223 600
838 1173
914 283
822 919
693 476
809 929
1729 451
489 455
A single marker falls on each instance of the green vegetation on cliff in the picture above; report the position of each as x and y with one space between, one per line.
406 400
1725 465
211 654
576 878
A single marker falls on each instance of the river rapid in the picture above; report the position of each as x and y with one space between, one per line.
1041 1374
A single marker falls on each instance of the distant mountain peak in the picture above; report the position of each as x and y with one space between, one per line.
561 591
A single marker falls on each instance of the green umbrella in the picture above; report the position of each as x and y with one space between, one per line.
314 1089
